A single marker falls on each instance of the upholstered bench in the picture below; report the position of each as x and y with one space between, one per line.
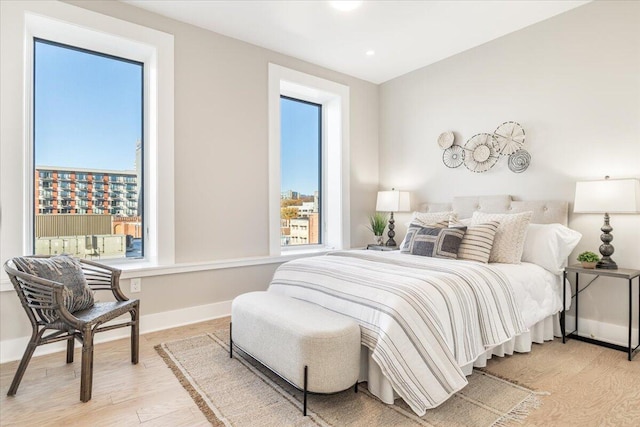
312 348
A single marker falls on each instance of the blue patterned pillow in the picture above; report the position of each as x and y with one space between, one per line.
62 269
433 241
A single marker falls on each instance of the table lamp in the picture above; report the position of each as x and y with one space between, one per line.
392 201
607 196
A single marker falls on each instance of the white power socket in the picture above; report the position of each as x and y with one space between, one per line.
136 285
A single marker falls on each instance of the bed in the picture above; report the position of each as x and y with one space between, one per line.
426 322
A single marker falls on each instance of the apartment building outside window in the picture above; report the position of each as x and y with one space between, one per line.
301 172
87 133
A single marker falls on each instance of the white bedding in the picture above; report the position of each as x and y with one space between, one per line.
538 294
537 291
342 281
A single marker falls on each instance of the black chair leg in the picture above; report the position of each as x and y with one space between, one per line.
86 375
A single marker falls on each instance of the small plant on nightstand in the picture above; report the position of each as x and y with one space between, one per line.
588 259
377 224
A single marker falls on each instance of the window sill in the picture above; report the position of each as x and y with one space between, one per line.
150 268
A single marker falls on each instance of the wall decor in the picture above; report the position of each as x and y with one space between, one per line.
453 156
446 139
481 152
519 161
510 138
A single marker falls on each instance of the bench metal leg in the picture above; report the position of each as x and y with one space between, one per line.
230 341
355 387
304 393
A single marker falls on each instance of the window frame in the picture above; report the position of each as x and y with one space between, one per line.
83 29
334 98
320 170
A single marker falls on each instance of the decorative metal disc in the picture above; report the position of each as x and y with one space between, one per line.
519 161
481 152
510 138
453 156
445 140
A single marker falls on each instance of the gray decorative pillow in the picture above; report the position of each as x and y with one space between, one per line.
404 246
433 241
65 270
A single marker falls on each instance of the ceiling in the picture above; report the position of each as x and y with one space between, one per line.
405 35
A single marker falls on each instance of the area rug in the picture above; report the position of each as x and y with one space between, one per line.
241 392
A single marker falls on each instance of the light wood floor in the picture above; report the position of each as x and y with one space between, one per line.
589 386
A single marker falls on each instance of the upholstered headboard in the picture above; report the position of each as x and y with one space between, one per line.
544 212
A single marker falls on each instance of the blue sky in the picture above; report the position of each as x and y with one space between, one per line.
87 109
299 146
88 115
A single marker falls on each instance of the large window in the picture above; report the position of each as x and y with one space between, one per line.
308 153
300 172
87 131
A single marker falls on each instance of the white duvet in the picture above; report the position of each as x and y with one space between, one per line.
537 291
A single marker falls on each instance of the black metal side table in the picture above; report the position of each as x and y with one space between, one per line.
621 273
373 247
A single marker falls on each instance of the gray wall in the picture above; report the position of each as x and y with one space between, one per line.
221 160
573 82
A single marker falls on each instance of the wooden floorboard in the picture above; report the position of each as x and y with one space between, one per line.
588 386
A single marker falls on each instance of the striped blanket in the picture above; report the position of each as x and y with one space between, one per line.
422 318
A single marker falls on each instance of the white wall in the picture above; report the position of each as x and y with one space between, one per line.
573 82
221 159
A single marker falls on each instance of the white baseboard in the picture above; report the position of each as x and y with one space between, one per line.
614 334
14 348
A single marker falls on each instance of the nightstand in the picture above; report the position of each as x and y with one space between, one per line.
373 247
621 273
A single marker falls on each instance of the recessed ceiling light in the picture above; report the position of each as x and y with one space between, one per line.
345 5
371 52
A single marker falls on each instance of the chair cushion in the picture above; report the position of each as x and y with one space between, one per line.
65 270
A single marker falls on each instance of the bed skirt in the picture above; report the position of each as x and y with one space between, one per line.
545 330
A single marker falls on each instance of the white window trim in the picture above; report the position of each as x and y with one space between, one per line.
78 27
334 98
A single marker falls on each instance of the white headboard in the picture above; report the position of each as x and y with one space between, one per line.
544 212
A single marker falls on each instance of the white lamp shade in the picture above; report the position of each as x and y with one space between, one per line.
393 201
607 196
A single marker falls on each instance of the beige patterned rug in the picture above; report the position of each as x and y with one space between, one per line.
241 392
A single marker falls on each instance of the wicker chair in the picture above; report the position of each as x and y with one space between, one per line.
37 294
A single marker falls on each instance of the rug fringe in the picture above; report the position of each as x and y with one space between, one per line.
184 382
521 411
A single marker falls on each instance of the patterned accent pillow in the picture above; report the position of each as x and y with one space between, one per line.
508 243
62 269
405 242
434 242
477 241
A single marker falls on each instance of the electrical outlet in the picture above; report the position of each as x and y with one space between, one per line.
136 285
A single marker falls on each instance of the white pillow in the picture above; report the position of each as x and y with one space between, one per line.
425 219
509 241
549 245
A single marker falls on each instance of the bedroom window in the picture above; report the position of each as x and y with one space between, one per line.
75 186
304 105
300 172
88 124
